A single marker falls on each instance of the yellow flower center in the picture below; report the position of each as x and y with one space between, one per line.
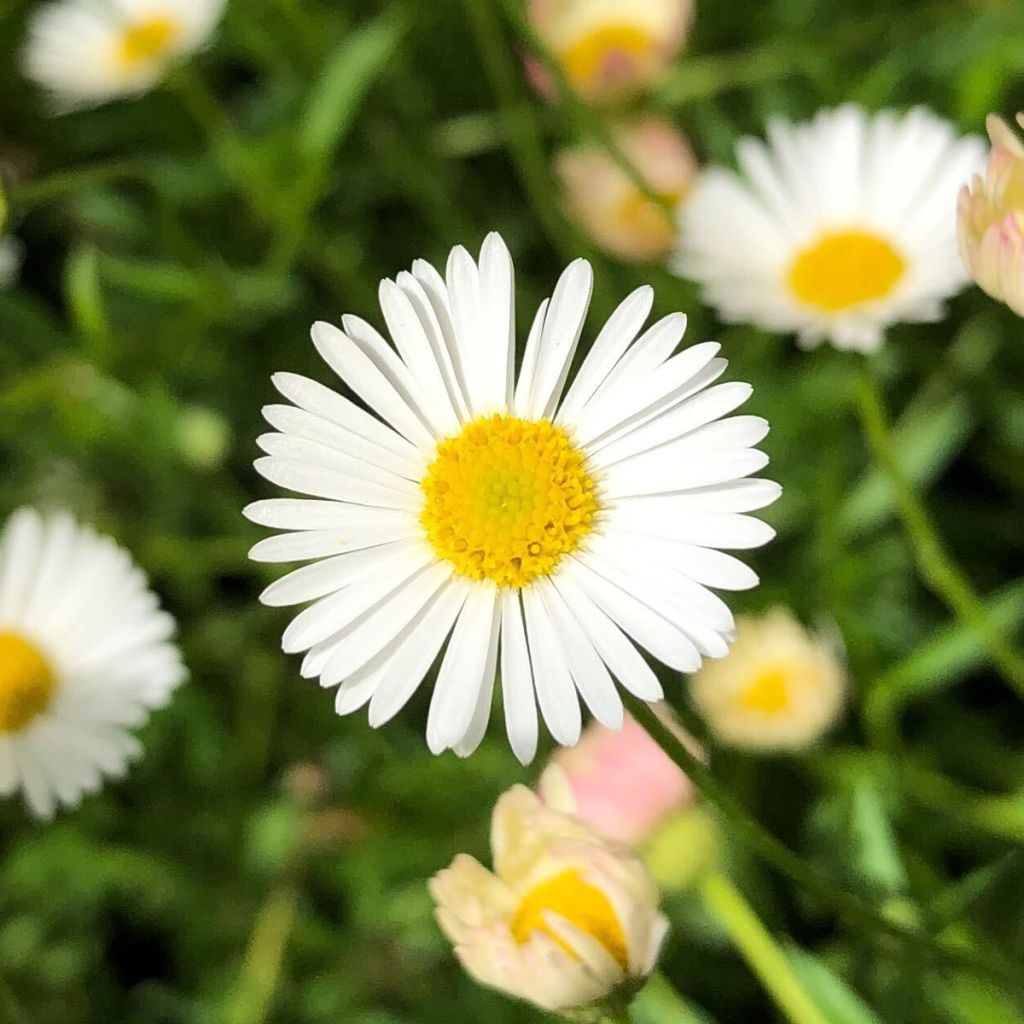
26 683
507 499
608 55
148 40
582 905
768 693
647 221
844 269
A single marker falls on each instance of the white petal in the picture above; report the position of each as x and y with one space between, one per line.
517 680
556 693
307 544
322 482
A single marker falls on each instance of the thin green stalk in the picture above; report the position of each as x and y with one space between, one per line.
261 969
524 143
658 1002
54 186
758 948
853 909
936 566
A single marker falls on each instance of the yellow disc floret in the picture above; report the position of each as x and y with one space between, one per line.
608 53
26 683
844 269
148 40
507 499
581 904
767 692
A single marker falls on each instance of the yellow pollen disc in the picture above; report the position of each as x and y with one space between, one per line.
608 54
768 693
507 499
148 40
645 219
844 269
26 683
581 904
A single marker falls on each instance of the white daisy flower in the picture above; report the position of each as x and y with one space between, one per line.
85 653
89 51
551 533
837 228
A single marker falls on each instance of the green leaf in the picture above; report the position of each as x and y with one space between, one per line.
346 78
836 1000
84 294
925 444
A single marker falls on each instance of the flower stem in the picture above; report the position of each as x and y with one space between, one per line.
937 568
758 948
769 848
261 968
659 1003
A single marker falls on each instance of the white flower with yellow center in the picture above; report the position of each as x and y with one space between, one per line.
89 51
779 688
549 532
567 919
837 229
85 654
610 48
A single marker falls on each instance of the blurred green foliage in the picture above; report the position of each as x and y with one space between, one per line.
178 248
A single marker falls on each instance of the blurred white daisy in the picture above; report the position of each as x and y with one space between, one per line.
779 688
560 530
89 51
837 228
85 653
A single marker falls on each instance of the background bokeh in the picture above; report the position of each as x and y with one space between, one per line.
178 248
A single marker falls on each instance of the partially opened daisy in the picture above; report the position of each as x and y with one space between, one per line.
89 51
548 530
835 229
85 653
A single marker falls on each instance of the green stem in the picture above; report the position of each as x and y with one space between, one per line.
758 948
772 850
658 1002
937 568
524 143
261 969
53 186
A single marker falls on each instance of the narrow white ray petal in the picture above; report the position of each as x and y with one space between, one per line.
315 514
524 386
688 415
725 530
517 680
299 449
22 540
356 691
383 625
412 661
414 346
563 325
336 611
732 496
307 478
588 670
658 476
460 677
614 338
300 423
376 348
556 693
463 281
322 401
56 548
617 405
307 544
708 566
649 353
498 326
645 625
331 574
477 729
434 316
617 651
364 377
